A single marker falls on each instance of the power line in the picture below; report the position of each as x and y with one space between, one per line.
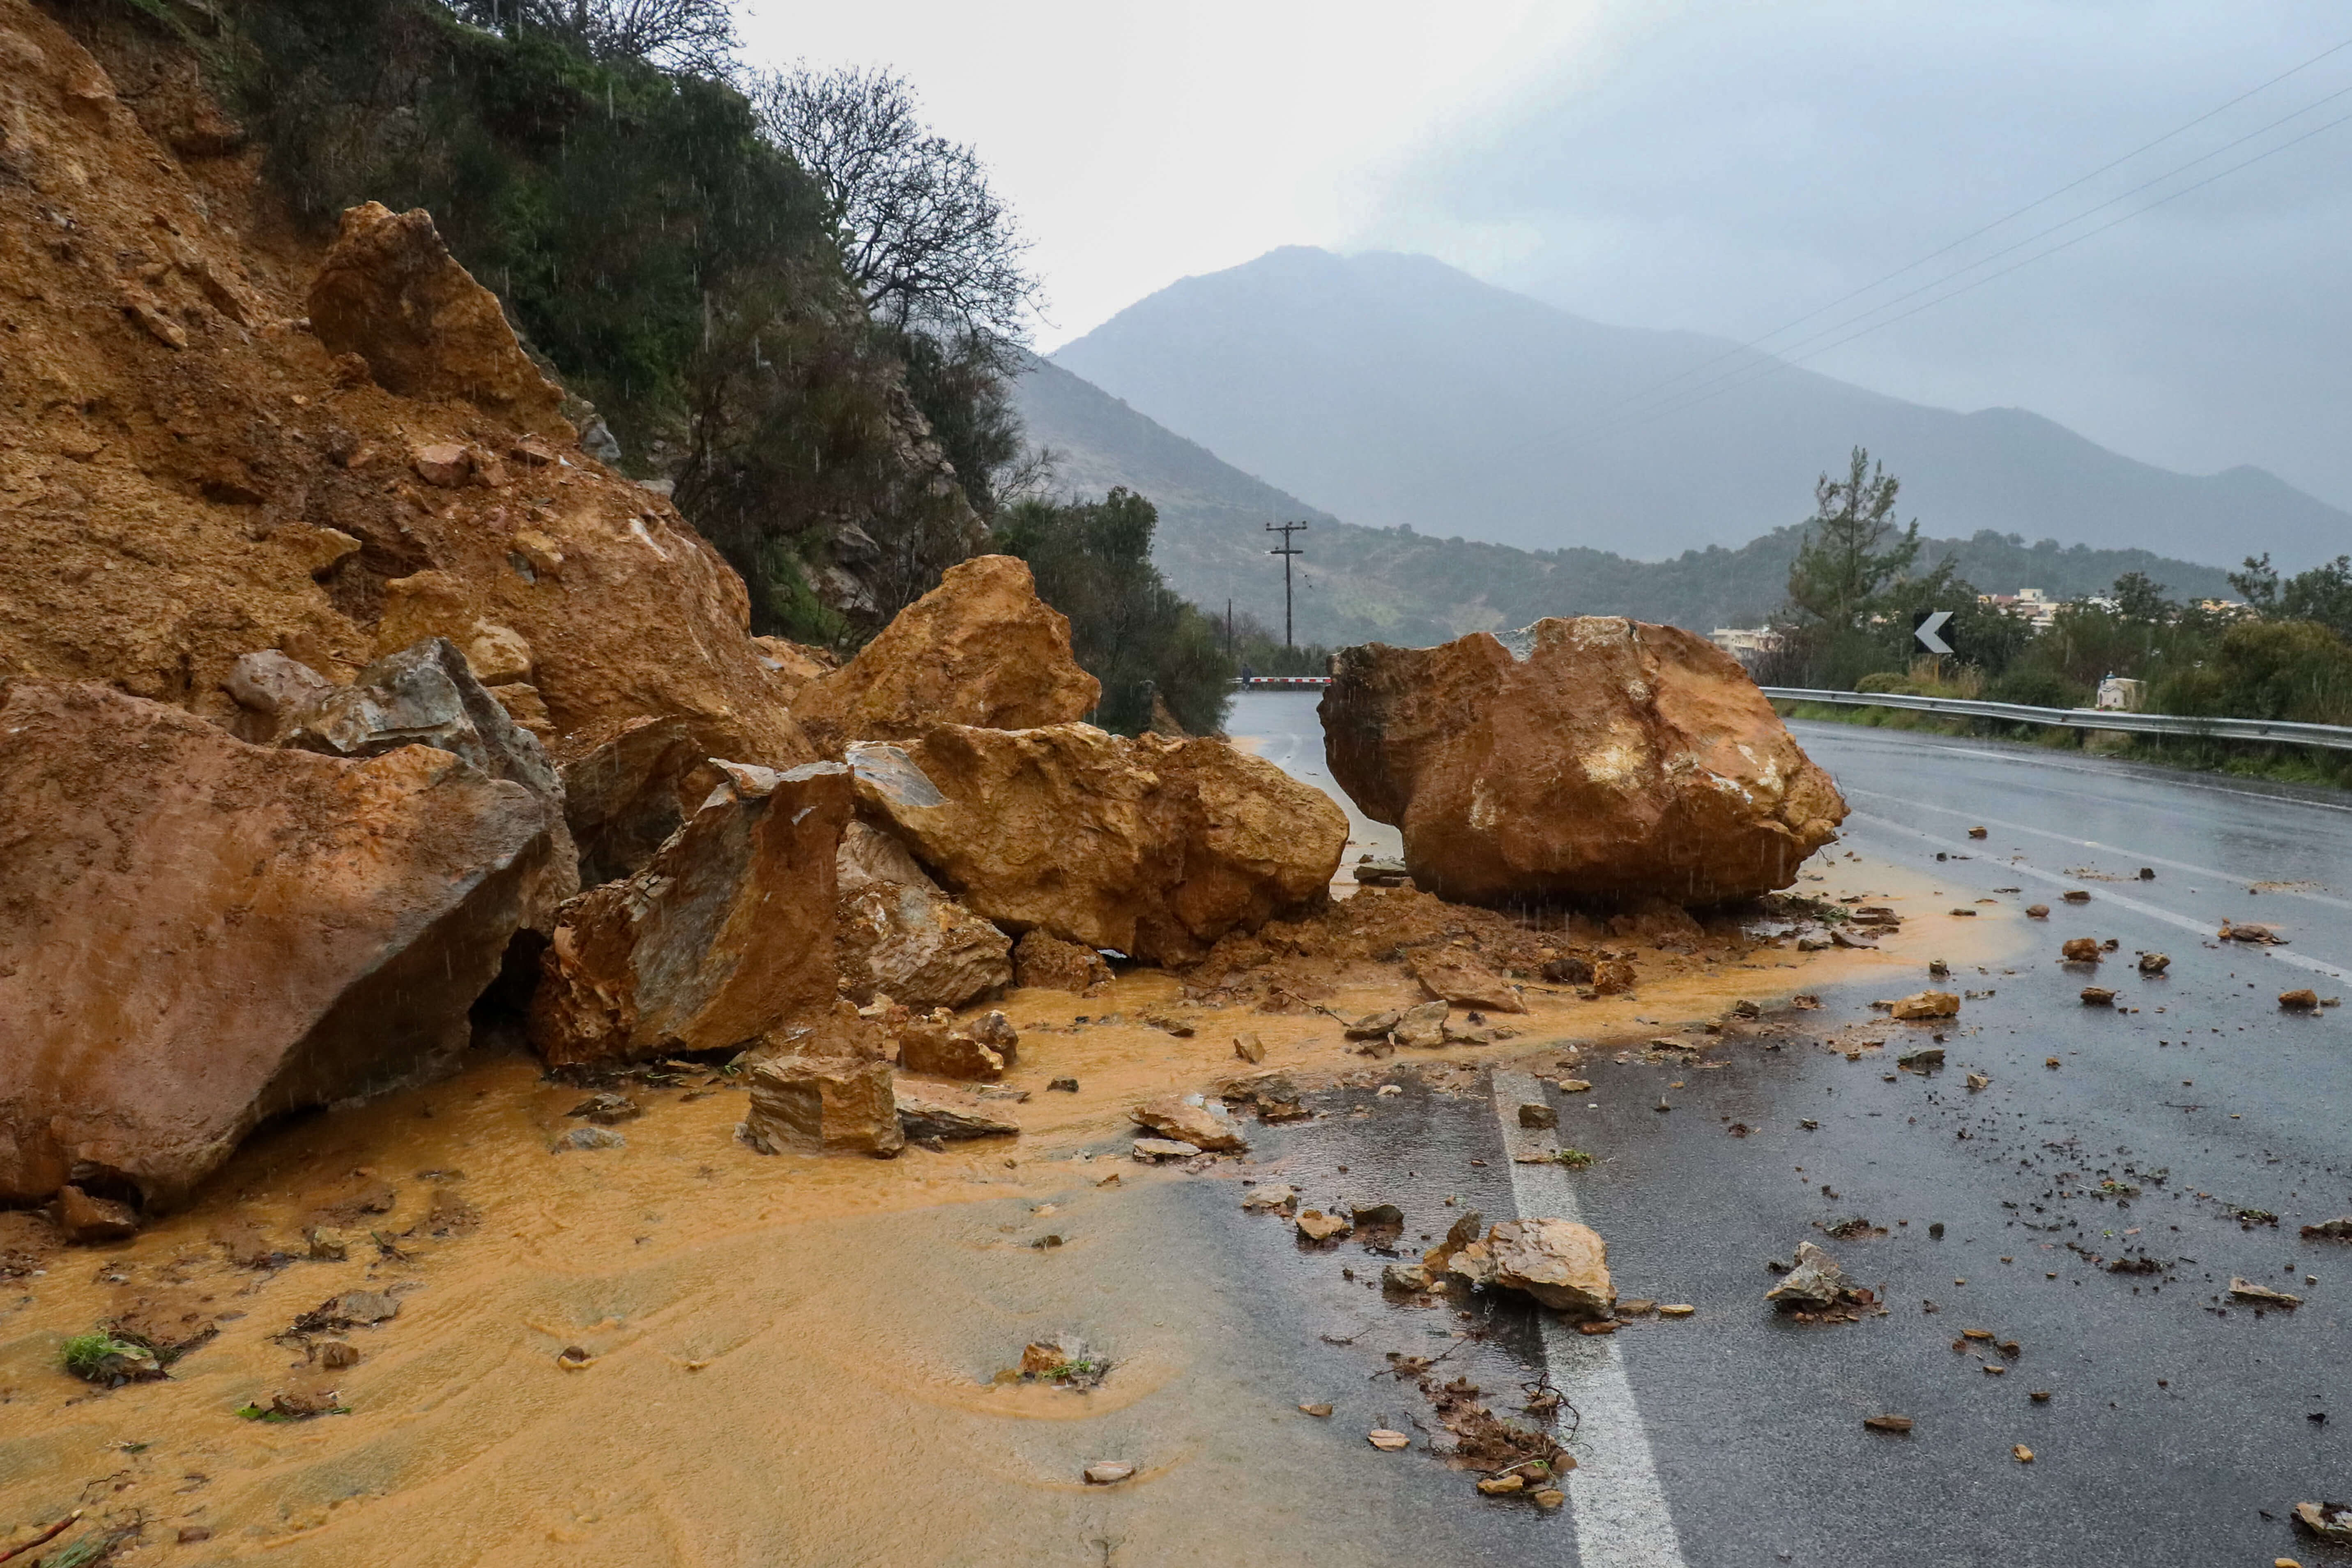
1778 364
1913 265
1630 410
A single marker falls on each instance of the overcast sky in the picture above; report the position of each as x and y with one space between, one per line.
1722 166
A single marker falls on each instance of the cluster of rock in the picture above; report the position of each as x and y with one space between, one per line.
374 691
1583 758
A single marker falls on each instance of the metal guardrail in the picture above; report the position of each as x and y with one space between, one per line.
1252 683
2336 737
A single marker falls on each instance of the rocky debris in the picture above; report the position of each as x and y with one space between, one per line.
2263 1295
1571 969
1380 871
624 794
900 936
1386 1440
352 1308
2098 996
1538 1114
1158 1150
2327 1520
2080 949
582 1139
1590 757
1561 1264
1926 1058
939 1047
196 934
1424 1025
1249 1048
390 292
2302 1001
1065 1361
1194 1120
949 1114
2037 911
1452 976
1048 964
724 937
1887 1423
2249 932
427 695
1109 1472
607 1109
1815 1284
2329 1230
86 1219
1406 1279
2154 963
980 650
831 1105
1925 1005
328 1244
271 687
1376 1215
1273 1195
1373 1025
1317 1225
1153 848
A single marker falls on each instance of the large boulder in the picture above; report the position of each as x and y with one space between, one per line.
627 792
903 938
427 695
1152 848
980 648
723 939
1586 757
1560 1263
390 292
197 933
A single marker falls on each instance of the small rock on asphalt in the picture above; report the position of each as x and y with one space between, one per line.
1109 1473
1534 1114
1386 1440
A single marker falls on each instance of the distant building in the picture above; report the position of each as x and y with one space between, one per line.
2030 604
1746 644
2121 694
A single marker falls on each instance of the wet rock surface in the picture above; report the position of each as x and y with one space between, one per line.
197 933
901 936
1150 848
724 939
980 650
828 1105
1586 757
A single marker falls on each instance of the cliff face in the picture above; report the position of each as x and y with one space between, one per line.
215 440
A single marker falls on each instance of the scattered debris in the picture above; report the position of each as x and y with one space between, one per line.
2327 1520
587 1138
294 1407
2304 1001
1534 1114
1926 1058
101 1358
1814 1283
2076 895
1978 1080
1926 1005
1387 1440
1065 1362
2097 997
2263 1295
1109 1472
1377 1215
1273 1195
2021 1454
2154 963
1319 1411
2037 911
1152 1151
2080 949
2265 935
1317 1225
1249 1048
1193 1120
2329 1230
1887 1423
941 1113
1063 1085
606 1108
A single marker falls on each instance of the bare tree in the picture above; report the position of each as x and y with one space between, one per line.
928 244
688 34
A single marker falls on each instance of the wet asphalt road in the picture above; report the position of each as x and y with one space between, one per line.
2181 1425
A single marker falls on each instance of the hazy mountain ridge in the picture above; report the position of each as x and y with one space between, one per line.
1358 583
1399 391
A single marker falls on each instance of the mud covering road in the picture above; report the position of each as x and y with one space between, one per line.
2181 1425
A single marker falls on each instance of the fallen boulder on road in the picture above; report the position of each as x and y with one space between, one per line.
197 933
1925 1005
947 1113
724 938
1190 1119
1815 1283
1560 1263
1584 757
980 648
1154 848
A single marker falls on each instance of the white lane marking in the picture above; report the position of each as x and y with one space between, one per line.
2186 922
2154 776
1619 1507
2093 844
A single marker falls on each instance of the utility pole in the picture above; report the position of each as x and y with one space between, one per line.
1286 551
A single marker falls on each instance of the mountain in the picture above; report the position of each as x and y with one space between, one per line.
1399 391
1356 584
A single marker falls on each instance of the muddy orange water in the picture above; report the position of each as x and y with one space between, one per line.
789 1358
